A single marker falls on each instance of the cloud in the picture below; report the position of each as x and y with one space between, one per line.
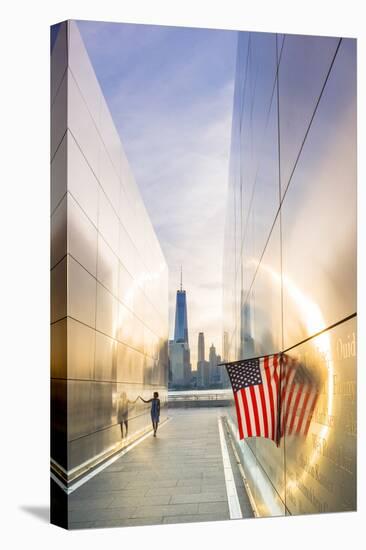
170 92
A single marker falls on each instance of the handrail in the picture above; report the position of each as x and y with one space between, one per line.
200 396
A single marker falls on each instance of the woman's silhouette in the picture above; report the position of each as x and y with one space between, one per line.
123 412
155 410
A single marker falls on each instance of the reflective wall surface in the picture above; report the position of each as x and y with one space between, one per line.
109 278
290 255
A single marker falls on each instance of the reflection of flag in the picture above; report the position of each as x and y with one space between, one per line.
299 394
274 396
255 384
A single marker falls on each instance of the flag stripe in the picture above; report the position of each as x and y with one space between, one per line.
269 398
275 388
263 416
294 410
288 402
299 409
255 410
246 410
286 394
242 412
240 422
248 398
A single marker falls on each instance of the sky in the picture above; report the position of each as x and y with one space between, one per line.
170 93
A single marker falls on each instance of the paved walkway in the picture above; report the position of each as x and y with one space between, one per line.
173 478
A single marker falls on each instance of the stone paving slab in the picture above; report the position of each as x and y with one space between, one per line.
173 478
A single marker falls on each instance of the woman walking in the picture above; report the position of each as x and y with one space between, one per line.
155 410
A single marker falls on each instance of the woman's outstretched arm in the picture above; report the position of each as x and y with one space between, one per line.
144 400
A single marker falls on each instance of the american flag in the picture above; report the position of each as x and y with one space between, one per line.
274 396
256 384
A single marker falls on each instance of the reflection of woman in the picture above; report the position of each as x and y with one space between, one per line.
123 412
155 410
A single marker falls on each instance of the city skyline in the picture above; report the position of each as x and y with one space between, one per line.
170 91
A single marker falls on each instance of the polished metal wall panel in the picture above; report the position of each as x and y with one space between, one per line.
82 237
265 305
110 438
125 325
258 100
321 467
270 463
104 404
108 224
140 308
80 451
267 485
59 349
80 350
126 287
109 179
107 312
265 201
108 267
130 364
105 357
80 66
290 268
81 124
137 340
319 292
59 232
81 293
127 252
81 181
58 59
304 66
111 139
58 115
111 289
59 422
59 175
59 291
80 408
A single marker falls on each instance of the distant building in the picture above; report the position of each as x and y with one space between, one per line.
179 352
225 351
215 375
181 320
201 347
179 359
246 339
225 346
203 374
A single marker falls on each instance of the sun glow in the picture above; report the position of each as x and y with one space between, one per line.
314 322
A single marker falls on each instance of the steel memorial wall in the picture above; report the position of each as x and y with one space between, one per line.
109 278
290 256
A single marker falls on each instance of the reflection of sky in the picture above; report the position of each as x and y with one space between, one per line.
170 93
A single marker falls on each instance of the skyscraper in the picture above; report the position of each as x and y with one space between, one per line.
179 352
246 339
181 322
203 367
201 347
214 374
